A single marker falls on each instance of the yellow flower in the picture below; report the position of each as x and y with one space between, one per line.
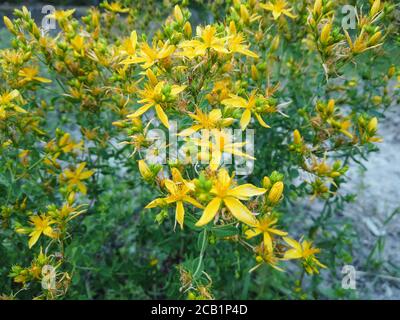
220 143
41 224
208 40
251 106
6 102
30 75
157 94
115 7
75 178
144 170
129 45
278 7
61 15
78 44
303 251
179 190
236 43
207 121
266 227
297 139
149 56
178 14
67 144
225 193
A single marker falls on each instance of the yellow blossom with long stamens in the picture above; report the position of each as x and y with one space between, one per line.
211 120
31 75
6 101
148 56
41 225
278 8
75 177
115 7
62 15
250 107
216 143
208 40
305 251
179 191
236 44
266 227
129 45
157 94
227 194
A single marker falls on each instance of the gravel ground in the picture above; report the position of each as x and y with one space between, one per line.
378 197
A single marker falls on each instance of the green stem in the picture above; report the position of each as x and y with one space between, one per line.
203 248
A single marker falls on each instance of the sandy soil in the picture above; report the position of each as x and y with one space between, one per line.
378 197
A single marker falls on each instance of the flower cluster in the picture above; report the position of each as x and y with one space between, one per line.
82 113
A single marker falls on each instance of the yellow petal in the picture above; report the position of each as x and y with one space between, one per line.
292 254
140 111
268 242
215 115
12 95
34 237
293 243
171 187
175 90
215 160
43 80
245 120
240 212
278 232
86 175
180 213
193 202
156 203
162 116
82 188
251 233
209 212
245 191
261 121
235 101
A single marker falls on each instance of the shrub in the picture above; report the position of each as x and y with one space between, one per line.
97 201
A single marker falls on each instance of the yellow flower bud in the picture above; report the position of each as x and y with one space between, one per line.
375 38
187 29
276 192
152 77
376 6
254 73
297 137
232 27
144 170
9 24
119 124
259 259
275 43
392 71
376 100
244 13
266 183
331 106
317 7
36 31
373 125
178 14
325 33
71 198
